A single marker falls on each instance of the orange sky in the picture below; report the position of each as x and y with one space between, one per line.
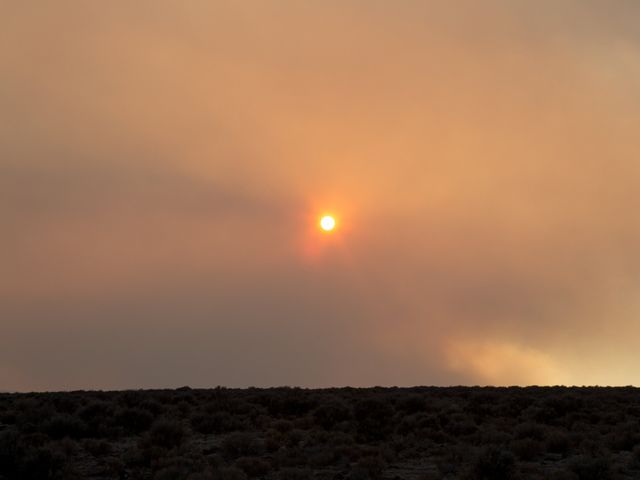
163 165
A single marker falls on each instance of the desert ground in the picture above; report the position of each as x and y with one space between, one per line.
420 433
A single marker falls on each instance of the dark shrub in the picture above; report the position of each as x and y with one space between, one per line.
371 466
634 461
65 404
592 446
230 473
97 448
624 438
562 475
327 415
218 422
134 420
590 468
31 440
10 453
282 426
321 457
491 436
167 433
373 417
290 402
526 448
272 441
65 425
342 434
451 461
253 466
32 414
115 468
493 464
95 415
530 430
172 473
131 398
181 409
295 474
558 442
40 464
152 406
241 444
461 426
411 404
294 438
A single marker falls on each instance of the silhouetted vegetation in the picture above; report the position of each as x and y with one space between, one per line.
421 433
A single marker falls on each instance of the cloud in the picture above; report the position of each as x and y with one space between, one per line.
161 167
494 362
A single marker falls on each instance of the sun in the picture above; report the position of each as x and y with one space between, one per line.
327 223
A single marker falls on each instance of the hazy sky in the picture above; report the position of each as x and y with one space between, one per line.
163 165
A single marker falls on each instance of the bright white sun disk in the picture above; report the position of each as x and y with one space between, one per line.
327 223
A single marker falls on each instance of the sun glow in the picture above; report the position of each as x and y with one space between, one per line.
327 223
